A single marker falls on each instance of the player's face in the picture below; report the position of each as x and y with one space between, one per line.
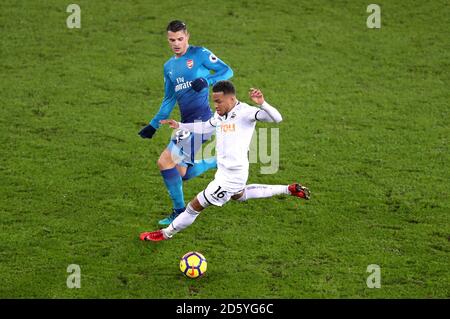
178 42
223 102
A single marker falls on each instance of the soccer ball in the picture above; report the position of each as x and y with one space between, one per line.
193 264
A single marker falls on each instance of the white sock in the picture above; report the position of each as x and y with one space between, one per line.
263 191
182 221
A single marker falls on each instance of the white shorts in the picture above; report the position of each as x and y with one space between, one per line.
217 193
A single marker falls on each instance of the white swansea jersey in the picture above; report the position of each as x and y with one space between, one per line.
234 132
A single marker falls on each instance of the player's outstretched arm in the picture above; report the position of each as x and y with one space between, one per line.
165 109
167 104
267 112
196 127
172 123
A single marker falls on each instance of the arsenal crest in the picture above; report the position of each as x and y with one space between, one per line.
190 63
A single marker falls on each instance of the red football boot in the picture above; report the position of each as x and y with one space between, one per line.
298 190
157 235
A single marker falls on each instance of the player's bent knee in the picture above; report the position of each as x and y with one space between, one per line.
165 160
240 197
201 200
197 204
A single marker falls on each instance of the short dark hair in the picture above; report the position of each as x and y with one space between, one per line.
176 25
224 86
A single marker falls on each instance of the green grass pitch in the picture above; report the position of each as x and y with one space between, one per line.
366 127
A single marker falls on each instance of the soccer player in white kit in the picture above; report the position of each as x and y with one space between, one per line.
234 123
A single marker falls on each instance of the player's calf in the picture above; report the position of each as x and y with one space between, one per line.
254 191
182 221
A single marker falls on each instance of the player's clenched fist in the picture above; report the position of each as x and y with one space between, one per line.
256 96
199 84
147 131
172 123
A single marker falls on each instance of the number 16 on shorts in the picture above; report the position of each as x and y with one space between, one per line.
214 194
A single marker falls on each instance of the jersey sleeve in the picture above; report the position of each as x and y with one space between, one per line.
167 104
265 113
198 127
250 113
202 127
221 70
